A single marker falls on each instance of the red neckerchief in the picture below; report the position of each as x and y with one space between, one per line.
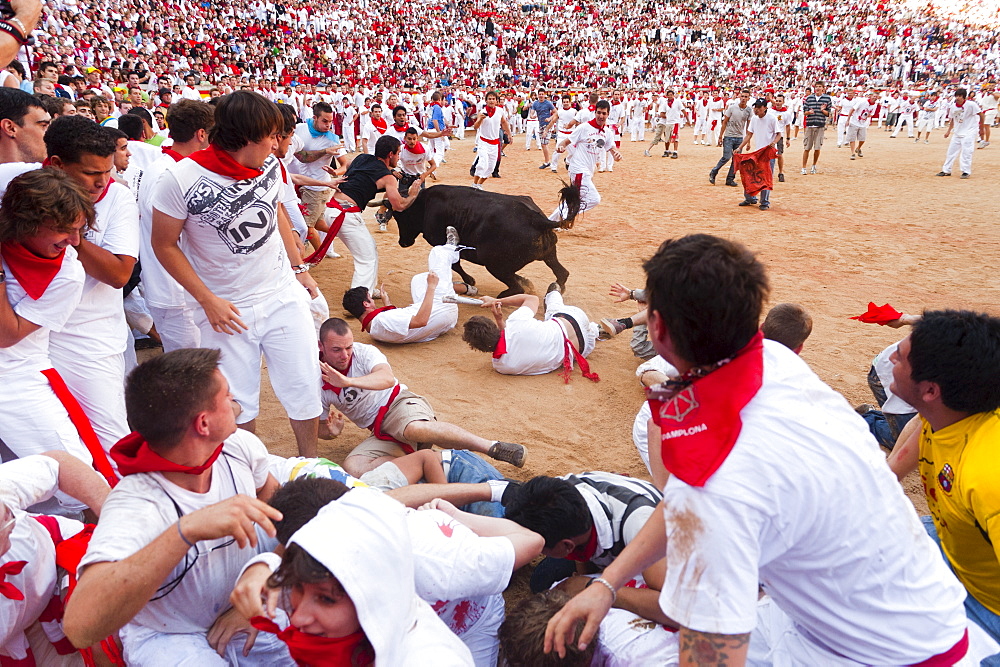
418 148
133 455
586 551
780 108
670 103
501 348
380 125
400 128
368 317
490 111
591 108
314 651
599 128
219 161
33 273
177 157
106 188
7 589
699 416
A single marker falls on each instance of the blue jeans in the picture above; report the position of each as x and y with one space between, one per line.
885 426
468 468
974 609
729 146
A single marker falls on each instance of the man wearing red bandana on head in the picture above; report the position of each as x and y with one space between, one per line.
238 259
770 481
30 548
187 515
42 216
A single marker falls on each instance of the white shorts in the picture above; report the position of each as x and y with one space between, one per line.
990 116
554 304
34 420
280 328
386 477
176 327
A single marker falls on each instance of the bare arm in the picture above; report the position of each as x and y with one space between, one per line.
722 128
746 142
709 648
424 312
27 12
79 480
527 544
399 201
13 327
105 266
457 494
905 456
381 377
515 300
224 316
311 156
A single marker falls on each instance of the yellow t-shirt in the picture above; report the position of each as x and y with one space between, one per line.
960 471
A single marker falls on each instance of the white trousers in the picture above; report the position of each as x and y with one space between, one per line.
531 131
842 129
99 386
486 158
589 197
176 327
904 118
281 329
961 148
361 244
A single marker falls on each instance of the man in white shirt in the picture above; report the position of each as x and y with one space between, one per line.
590 142
41 281
763 130
967 121
175 532
319 148
755 499
489 122
360 385
30 582
862 112
189 92
988 101
89 351
522 345
433 311
239 260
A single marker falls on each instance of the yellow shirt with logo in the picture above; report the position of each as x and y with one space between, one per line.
960 471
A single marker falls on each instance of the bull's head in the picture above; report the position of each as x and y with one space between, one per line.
410 222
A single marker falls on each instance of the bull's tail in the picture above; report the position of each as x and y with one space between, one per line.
569 196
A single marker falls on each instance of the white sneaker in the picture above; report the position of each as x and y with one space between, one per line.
332 254
813 171
804 172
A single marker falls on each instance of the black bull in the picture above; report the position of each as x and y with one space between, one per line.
508 232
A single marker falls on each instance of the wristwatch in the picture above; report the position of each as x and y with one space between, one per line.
3 276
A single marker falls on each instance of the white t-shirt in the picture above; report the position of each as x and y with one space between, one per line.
456 571
97 327
25 482
231 232
966 118
413 163
563 118
765 129
143 155
807 508
313 169
894 405
783 116
50 312
673 111
862 112
140 508
490 127
534 347
361 406
158 287
589 145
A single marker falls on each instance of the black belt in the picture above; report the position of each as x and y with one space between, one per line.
576 328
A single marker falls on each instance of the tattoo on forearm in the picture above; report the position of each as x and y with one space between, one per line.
706 648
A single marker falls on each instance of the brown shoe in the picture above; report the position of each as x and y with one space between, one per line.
509 452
